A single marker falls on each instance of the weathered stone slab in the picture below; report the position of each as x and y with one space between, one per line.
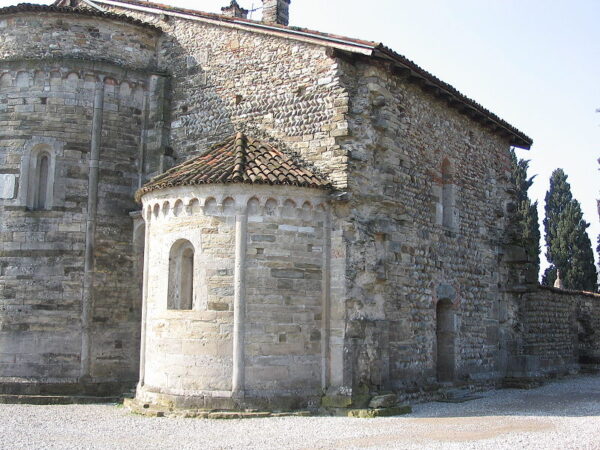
383 401
7 186
380 412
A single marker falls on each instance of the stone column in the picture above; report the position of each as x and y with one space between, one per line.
142 146
326 317
145 218
90 230
239 303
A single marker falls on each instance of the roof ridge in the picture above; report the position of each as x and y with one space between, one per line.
238 20
239 163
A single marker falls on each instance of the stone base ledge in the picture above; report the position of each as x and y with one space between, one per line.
592 369
146 409
150 410
56 399
523 382
379 412
147 398
540 366
535 380
67 388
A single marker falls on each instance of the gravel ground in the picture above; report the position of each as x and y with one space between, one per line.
561 415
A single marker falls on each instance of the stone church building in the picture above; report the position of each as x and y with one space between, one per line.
233 213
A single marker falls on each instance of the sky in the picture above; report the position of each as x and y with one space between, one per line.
535 63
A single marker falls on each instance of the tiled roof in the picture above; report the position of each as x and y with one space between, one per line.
239 159
368 48
28 7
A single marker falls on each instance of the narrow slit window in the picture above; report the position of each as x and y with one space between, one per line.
42 188
447 195
38 178
181 276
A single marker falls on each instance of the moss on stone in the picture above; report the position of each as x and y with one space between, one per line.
361 400
336 401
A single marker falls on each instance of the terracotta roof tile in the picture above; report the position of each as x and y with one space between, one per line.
239 159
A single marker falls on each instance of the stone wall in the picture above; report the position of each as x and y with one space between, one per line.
384 140
284 296
44 35
190 355
70 303
559 333
227 79
347 298
189 350
403 255
588 334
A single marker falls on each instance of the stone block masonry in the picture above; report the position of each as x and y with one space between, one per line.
70 311
257 286
191 358
402 257
558 333
226 79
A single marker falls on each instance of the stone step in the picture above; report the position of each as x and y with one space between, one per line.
522 383
457 393
56 399
129 394
591 369
379 412
458 396
158 411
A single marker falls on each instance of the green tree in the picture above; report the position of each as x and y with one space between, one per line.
526 214
549 275
569 248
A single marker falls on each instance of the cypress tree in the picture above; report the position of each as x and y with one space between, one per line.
569 248
549 276
526 215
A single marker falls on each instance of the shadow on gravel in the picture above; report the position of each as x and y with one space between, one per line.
569 397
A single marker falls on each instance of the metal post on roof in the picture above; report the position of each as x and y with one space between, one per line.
253 9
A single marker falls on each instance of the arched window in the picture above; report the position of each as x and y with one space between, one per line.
181 276
41 198
40 185
40 178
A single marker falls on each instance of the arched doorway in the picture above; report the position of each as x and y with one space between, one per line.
446 337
